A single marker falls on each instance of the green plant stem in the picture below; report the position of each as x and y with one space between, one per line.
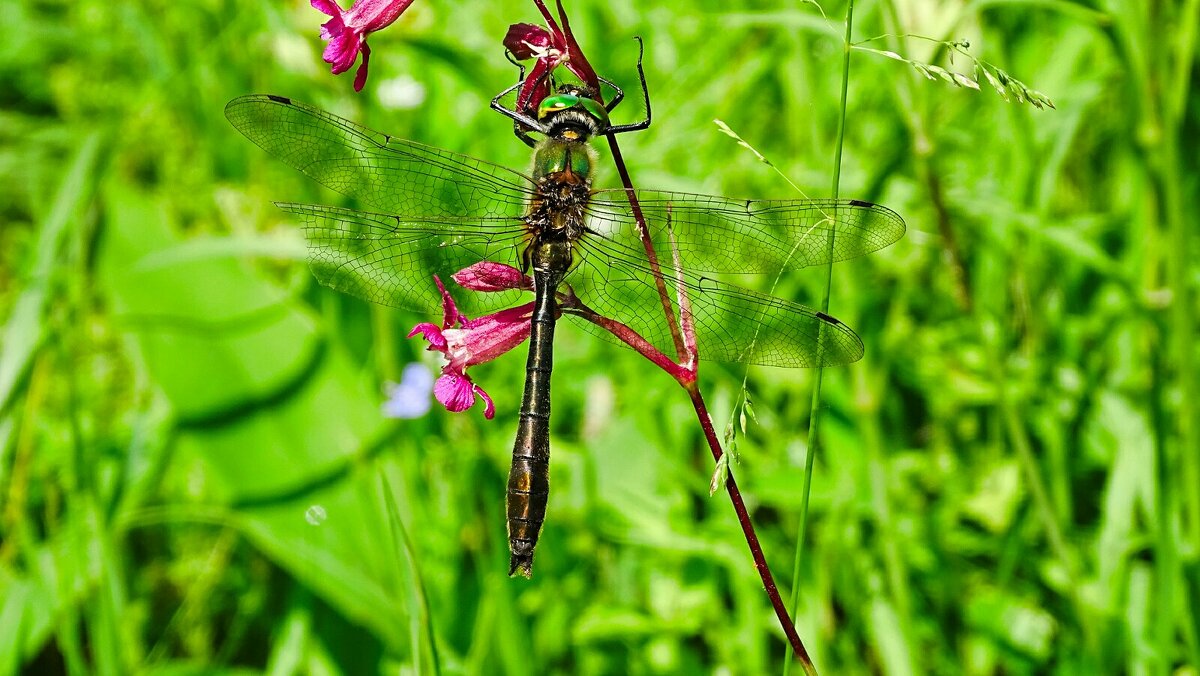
868 389
421 630
1019 439
1182 322
1180 461
815 409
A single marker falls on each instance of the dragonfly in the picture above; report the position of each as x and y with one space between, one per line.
430 211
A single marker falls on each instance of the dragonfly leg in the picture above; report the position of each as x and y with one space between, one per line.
525 257
521 122
617 97
519 132
513 60
622 128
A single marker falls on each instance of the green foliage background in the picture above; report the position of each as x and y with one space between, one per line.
1007 483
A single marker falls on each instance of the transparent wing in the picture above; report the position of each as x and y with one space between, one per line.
389 174
719 234
732 324
389 260
445 211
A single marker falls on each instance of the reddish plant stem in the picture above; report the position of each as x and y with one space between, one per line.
687 378
630 193
760 561
685 372
686 321
570 304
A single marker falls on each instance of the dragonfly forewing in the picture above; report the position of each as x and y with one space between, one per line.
386 173
720 234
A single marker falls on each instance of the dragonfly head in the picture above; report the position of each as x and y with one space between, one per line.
572 114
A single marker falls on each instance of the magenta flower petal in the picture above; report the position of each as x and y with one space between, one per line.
482 340
347 32
368 16
467 342
328 7
360 77
489 276
334 27
341 51
489 407
536 86
432 333
455 391
450 314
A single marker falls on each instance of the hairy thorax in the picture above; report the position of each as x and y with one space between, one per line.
557 211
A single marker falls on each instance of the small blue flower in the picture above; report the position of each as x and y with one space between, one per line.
412 397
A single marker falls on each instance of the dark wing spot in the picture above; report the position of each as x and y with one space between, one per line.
825 317
280 99
860 203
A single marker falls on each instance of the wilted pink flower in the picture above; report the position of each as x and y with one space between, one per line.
347 31
552 48
489 276
473 341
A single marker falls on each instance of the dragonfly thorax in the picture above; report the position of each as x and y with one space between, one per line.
557 156
557 209
563 188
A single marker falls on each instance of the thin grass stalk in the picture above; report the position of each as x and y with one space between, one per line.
815 408
421 629
1183 326
1180 461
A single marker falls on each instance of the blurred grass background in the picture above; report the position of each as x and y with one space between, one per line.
195 476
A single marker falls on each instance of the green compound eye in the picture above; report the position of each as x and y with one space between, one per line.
594 109
555 103
559 102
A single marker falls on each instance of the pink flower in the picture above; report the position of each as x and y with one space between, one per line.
474 341
552 48
489 276
347 32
